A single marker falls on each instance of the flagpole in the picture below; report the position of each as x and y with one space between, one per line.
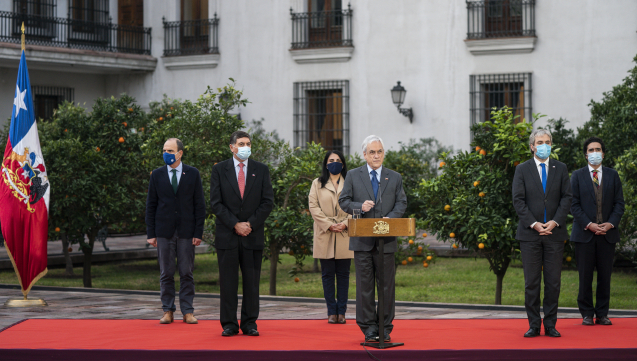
16 302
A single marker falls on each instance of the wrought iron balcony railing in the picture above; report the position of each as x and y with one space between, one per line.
76 34
191 37
489 19
322 29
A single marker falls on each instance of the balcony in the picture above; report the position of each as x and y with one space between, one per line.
89 46
322 36
500 26
191 44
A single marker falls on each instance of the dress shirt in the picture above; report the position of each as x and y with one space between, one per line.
369 171
237 168
539 170
179 168
599 178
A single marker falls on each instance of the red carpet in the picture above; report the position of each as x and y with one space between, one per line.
313 340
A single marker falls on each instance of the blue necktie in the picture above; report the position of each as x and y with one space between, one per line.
374 183
544 185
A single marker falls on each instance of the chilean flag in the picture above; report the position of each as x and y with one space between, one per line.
24 189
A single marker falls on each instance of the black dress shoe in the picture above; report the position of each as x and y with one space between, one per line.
588 321
551 332
229 332
252 332
603 321
532 332
371 337
387 337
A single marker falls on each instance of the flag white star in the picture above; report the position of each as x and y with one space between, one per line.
19 100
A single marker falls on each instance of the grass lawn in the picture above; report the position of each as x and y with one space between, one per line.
449 280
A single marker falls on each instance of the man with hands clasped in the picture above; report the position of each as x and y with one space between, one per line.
175 215
242 198
542 200
598 206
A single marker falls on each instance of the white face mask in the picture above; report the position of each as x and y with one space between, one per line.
244 152
595 158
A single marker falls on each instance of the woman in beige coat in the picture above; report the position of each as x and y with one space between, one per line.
331 241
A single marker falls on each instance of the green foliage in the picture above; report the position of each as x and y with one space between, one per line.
203 126
477 190
415 161
94 167
627 169
614 118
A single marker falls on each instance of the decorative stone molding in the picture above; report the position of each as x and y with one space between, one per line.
501 45
191 61
322 55
75 60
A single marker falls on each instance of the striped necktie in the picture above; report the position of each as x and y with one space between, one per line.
595 179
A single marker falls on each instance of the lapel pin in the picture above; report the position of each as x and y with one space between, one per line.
553 166
253 175
386 178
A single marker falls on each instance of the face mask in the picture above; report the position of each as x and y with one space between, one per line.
335 167
169 158
244 152
595 158
543 151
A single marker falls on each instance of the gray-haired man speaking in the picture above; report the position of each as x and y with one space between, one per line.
542 199
377 192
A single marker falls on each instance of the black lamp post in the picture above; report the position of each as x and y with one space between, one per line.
398 97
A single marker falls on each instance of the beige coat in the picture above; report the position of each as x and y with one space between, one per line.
326 212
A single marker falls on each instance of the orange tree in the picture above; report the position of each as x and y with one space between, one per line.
97 178
470 203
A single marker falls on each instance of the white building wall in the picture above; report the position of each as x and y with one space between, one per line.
584 47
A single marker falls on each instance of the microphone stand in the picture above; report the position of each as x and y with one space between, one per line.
381 289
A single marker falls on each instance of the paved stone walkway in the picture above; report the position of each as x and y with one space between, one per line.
117 304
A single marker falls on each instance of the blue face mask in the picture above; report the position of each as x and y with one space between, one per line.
335 167
595 158
169 159
244 152
543 151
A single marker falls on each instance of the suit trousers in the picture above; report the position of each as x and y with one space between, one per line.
596 253
366 279
329 269
167 250
230 260
536 254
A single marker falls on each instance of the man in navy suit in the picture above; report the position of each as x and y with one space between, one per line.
242 198
598 206
175 215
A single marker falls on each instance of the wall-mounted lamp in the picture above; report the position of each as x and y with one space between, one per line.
398 97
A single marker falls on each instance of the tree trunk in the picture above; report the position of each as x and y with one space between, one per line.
498 288
315 267
88 255
274 262
67 256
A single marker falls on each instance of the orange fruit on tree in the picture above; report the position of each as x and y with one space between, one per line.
515 164
475 184
425 264
442 164
130 109
424 234
429 258
121 139
478 148
411 241
483 152
568 259
291 253
171 108
70 249
57 229
481 245
410 259
97 149
404 262
420 248
161 118
66 130
447 208
481 194
302 247
452 235
125 124
296 279
454 246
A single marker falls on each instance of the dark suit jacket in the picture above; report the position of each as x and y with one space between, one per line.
227 205
584 207
392 202
167 211
529 199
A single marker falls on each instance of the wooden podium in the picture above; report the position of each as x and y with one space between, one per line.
382 227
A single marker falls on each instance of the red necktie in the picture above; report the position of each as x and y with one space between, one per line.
242 179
